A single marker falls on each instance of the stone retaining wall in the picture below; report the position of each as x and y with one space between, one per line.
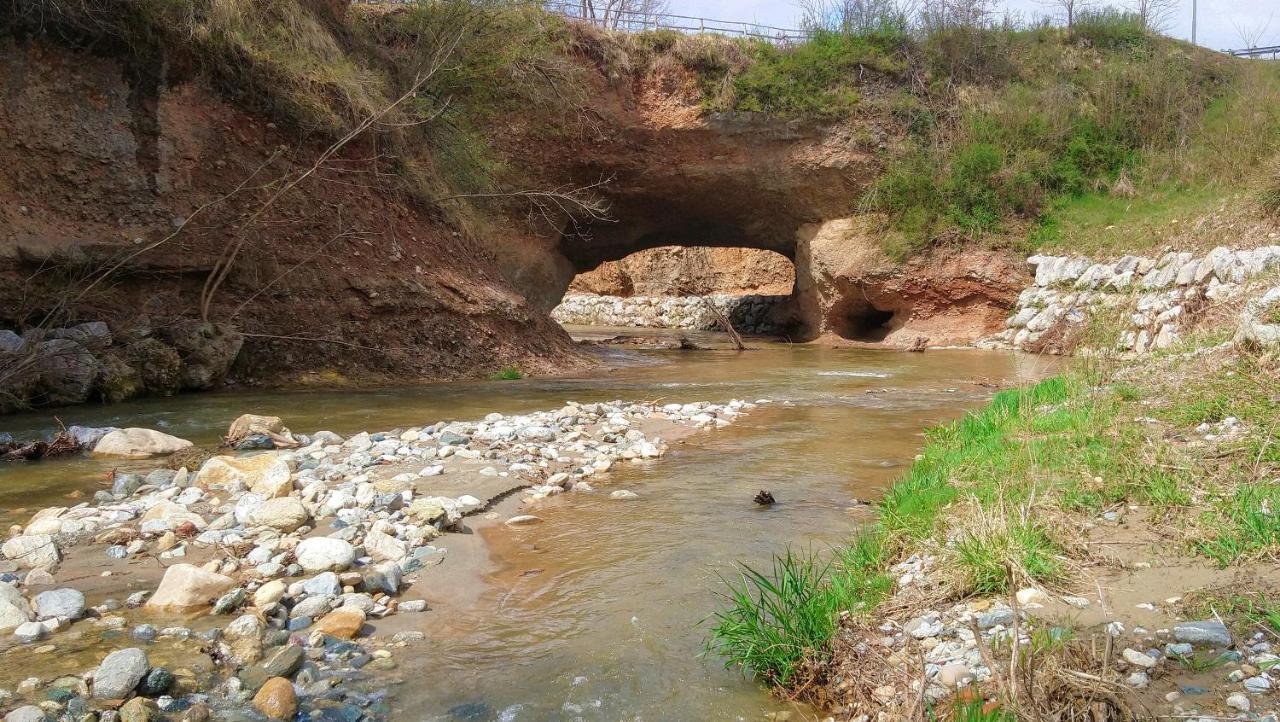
749 314
1156 294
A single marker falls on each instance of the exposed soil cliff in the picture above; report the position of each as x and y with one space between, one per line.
344 276
169 174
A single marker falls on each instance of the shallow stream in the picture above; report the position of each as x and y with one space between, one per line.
595 613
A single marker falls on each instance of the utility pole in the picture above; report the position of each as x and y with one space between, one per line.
1193 21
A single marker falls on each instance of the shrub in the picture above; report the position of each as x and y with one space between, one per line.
818 78
1109 28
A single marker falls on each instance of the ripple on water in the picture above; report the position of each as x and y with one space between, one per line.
857 374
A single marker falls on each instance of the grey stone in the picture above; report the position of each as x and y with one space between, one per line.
1258 685
119 673
28 713
89 436
126 484
67 371
312 606
29 632
1207 632
1003 617
10 342
326 584
451 438
59 603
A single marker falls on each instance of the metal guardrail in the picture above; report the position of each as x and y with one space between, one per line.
1272 50
639 21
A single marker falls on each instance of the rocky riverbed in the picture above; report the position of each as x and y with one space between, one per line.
282 583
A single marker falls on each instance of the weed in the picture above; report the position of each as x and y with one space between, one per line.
976 710
1110 28
1197 664
774 620
510 373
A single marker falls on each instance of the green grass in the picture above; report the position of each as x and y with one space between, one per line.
1198 663
773 621
510 373
811 79
986 558
995 495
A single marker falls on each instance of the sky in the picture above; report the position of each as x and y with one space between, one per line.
1216 28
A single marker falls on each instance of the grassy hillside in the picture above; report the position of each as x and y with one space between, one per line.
1038 137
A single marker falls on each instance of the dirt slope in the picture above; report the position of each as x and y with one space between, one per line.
96 162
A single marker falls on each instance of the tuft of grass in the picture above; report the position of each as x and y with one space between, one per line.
1197 663
774 620
1024 550
510 373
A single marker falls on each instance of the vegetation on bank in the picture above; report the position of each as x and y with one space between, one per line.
421 82
1188 438
1028 136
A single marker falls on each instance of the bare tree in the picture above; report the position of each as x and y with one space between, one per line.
1068 9
1251 36
946 14
1157 15
613 14
856 16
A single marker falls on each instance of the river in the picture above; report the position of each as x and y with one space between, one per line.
597 612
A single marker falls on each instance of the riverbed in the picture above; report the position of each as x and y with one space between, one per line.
596 612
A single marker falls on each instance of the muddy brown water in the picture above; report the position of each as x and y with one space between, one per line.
597 613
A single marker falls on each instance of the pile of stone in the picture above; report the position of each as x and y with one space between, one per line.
750 314
73 365
302 548
947 638
1154 293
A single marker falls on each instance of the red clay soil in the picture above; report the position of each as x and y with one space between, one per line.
95 163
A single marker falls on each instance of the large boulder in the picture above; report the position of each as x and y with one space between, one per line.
207 351
284 514
119 380
250 427
266 475
384 547
135 443
14 609
93 335
158 365
33 551
187 587
119 673
276 700
89 436
67 372
173 515
322 554
60 604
